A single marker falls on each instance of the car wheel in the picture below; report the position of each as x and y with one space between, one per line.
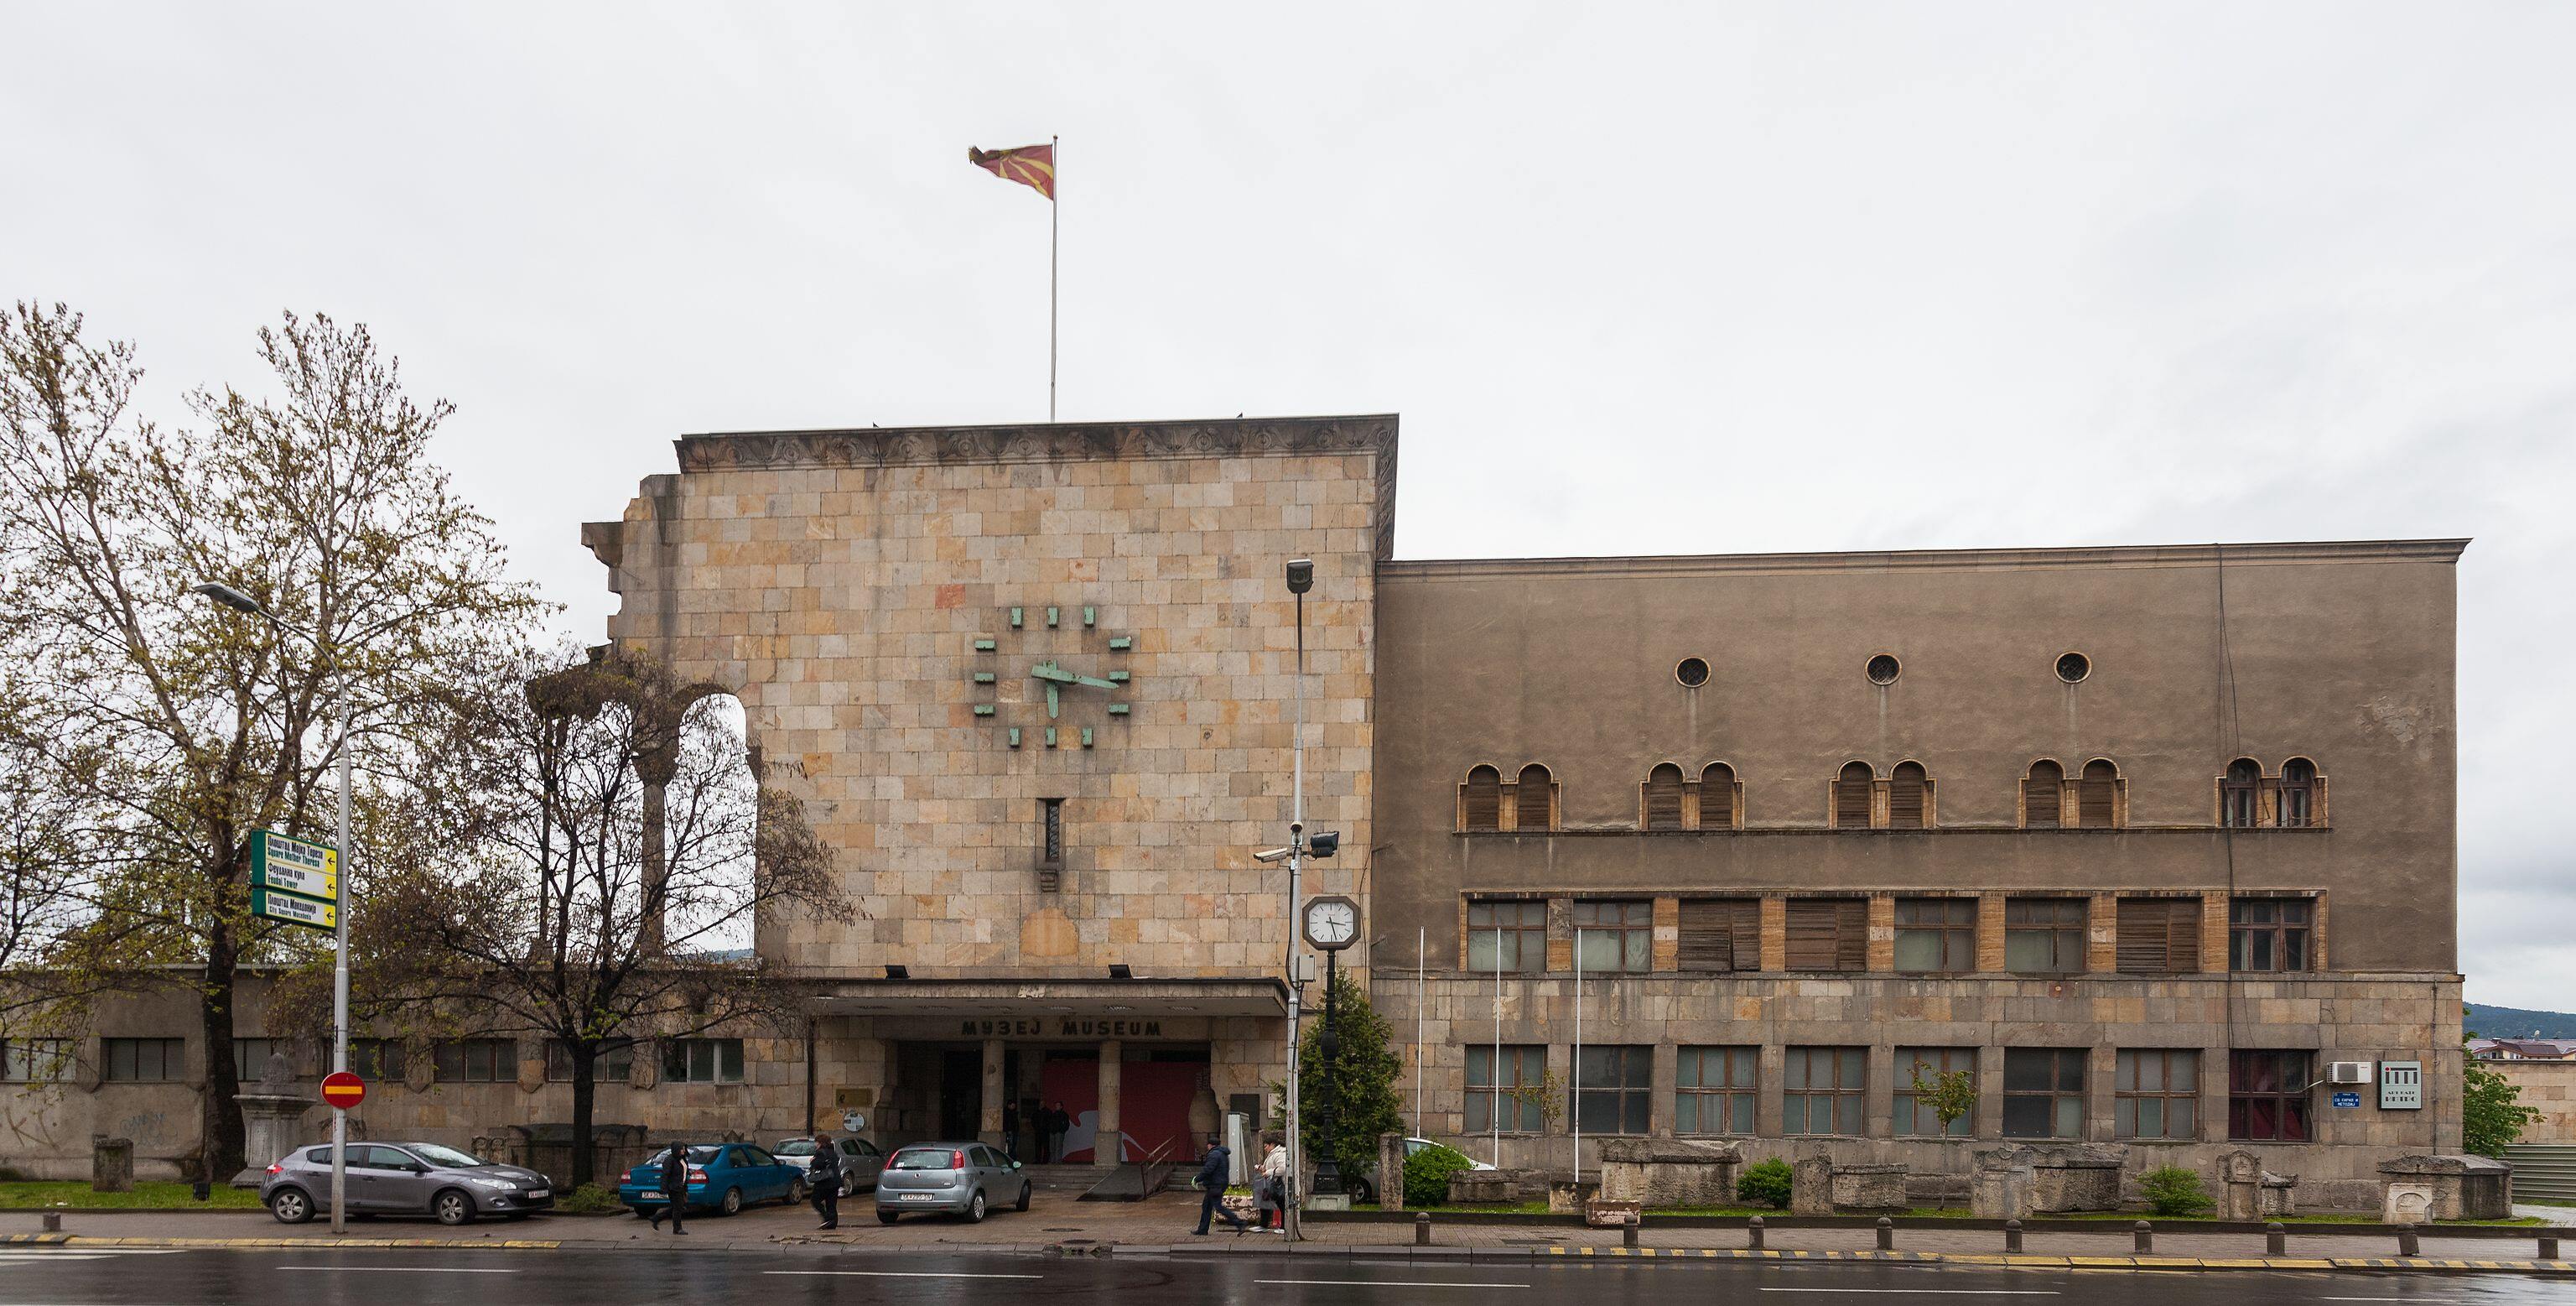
1362 1194
885 1217
975 1208
732 1204
795 1192
290 1206
452 1206
1023 1203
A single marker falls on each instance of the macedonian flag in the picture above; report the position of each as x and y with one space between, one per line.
1030 165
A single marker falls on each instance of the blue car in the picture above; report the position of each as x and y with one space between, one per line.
724 1177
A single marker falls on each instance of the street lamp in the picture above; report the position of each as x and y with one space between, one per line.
240 602
1301 578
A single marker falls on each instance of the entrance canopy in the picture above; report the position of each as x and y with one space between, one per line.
1067 1008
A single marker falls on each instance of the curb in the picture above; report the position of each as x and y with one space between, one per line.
2018 1262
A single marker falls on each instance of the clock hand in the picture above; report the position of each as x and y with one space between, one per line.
1051 672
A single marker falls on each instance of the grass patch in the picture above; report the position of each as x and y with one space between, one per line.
590 1199
76 1195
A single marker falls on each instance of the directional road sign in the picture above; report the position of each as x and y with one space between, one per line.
294 881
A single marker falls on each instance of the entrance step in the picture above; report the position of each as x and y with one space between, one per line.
1066 1178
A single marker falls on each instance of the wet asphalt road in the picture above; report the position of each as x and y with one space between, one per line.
105 1277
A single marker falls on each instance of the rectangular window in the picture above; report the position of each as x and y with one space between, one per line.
2044 1092
611 1064
702 1061
1051 832
1821 1090
376 1060
2267 1096
1721 934
35 1060
1513 1094
143 1060
2269 934
1936 935
2044 936
1611 1095
476 1061
1714 1090
1614 936
2157 1093
1928 1065
1828 934
1507 936
2159 936
250 1055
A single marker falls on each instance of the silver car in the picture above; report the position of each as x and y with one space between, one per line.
404 1179
860 1160
950 1178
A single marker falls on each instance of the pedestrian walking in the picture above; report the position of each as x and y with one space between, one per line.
826 1181
1270 1185
1053 1122
675 1187
1214 1169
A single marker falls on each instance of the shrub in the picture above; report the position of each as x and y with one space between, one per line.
2173 1190
1765 1183
1426 1175
589 1199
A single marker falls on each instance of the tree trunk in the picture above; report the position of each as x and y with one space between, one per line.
220 1125
585 1089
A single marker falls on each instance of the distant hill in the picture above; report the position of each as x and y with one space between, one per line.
2515 1022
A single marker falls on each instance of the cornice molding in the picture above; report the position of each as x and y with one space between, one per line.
2160 555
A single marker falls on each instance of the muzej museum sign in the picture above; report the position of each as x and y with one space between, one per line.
1059 1027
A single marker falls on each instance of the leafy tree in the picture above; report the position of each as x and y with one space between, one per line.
169 729
2174 1190
1766 1182
2492 1116
1950 1095
1359 1084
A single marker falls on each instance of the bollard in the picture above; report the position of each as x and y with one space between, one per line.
2012 1235
2276 1240
2549 1247
53 1222
2146 1237
1422 1228
2407 1245
1753 1233
1886 1234
1628 1230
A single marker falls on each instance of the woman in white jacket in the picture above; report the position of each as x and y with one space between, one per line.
1270 1184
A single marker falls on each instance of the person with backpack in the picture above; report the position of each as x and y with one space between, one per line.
826 1180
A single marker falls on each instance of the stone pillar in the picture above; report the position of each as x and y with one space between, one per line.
990 1126
2102 935
1775 933
111 1164
1105 1148
1990 933
272 1119
1880 938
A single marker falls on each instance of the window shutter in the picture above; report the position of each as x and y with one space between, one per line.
1828 934
2043 797
2143 933
1748 936
1851 936
1534 808
2182 933
1717 797
1717 933
1484 805
1905 798
1851 798
1664 798
2094 807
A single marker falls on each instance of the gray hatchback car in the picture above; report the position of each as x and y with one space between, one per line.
951 1178
404 1179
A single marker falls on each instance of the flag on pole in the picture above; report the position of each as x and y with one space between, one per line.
1032 166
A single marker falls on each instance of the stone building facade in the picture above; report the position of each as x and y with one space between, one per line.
2154 845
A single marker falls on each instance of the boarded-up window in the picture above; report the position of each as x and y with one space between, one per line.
1851 797
2043 795
2159 936
1905 791
1535 797
1721 934
1481 807
1828 934
2095 803
1717 797
2298 793
1664 798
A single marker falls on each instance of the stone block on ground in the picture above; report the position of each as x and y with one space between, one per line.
2464 1187
1508 1187
2084 1177
1669 1172
111 1165
2000 1186
2247 1191
1811 1185
1570 1198
1877 1186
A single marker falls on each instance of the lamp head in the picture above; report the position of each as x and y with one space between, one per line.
1301 575
231 598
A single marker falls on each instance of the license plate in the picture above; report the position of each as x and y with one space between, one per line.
535 1193
921 1197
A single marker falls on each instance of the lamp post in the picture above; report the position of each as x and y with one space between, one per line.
1301 578
240 602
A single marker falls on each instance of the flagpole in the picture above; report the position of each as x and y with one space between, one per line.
1055 210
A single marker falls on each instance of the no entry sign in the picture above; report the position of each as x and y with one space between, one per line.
343 1089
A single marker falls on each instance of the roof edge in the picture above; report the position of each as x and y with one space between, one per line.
2118 555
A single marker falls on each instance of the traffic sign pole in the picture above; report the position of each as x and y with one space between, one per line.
340 980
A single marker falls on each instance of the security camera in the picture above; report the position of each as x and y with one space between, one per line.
1296 828
1272 854
1301 575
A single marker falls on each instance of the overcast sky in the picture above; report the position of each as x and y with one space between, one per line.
1640 279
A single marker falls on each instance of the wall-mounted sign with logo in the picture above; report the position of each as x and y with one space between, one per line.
2401 1085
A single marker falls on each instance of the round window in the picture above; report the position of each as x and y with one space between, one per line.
1882 669
2072 667
1692 672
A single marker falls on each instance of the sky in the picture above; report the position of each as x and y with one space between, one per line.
1693 278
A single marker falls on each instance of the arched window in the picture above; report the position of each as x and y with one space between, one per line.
1717 797
1534 800
2299 805
1663 806
1909 797
2097 798
1851 797
1480 800
2237 807
2043 796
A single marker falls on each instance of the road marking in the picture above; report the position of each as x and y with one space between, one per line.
1383 1283
1938 1292
2421 1299
897 1274
398 1269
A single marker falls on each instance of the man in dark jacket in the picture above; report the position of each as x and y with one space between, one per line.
1215 1169
826 1179
675 1187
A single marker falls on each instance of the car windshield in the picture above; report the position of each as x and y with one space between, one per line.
924 1158
446 1156
796 1147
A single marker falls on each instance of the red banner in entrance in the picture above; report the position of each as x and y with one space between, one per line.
1153 1107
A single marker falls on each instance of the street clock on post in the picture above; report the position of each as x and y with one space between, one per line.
1332 922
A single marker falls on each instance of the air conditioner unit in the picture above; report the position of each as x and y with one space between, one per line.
2347 1072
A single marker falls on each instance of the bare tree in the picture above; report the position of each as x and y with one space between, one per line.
178 728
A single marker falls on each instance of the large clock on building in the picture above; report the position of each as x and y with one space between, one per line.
1081 689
